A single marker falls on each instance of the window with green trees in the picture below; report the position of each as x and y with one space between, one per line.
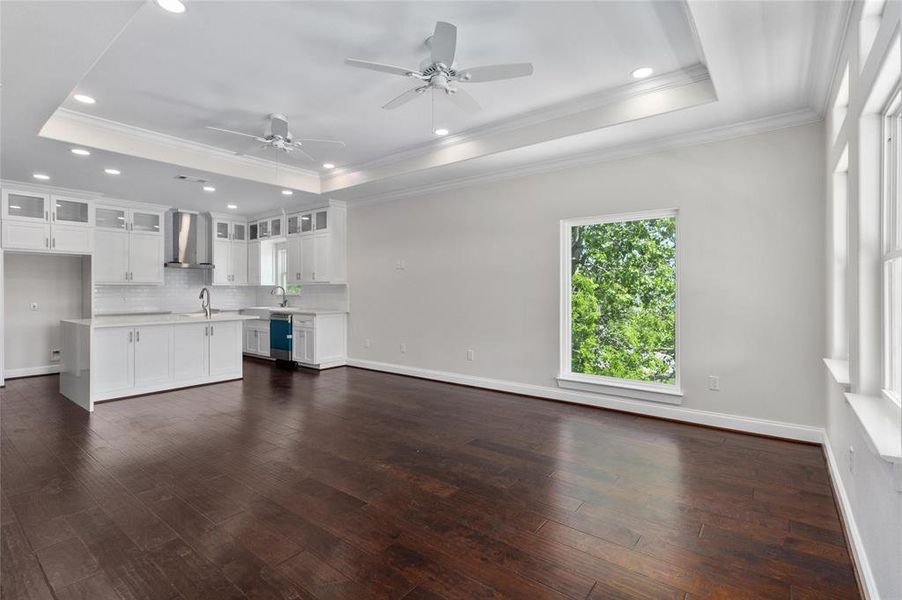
623 297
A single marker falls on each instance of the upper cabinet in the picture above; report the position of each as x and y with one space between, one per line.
270 227
317 245
129 245
230 238
44 222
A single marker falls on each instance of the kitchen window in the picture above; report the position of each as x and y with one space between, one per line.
619 313
892 251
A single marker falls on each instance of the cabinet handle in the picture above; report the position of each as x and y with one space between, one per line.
46 242
206 331
45 215
53 243
129 337
138 336
211 330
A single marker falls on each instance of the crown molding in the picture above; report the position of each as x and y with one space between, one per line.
89 130
674 79
796 118
831 34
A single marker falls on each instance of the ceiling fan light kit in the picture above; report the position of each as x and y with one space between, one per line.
276 135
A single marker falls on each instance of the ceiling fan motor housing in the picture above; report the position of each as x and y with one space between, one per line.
277 126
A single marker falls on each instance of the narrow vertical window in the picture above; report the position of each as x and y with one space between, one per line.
892 251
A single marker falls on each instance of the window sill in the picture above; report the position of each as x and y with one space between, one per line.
635 390
881 420
839 369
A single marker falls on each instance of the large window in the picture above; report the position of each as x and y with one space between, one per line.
892 251
620 301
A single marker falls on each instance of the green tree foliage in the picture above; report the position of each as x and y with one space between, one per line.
623 299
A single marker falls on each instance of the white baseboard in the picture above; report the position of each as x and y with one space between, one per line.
31 371
853 538
779 429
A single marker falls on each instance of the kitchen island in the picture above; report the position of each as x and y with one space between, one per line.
115 357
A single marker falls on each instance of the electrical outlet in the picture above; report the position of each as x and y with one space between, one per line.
367 343
54 354
400 265
470 355
851 459
714 383
403 348
33 306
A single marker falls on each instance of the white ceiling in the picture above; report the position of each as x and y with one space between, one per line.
230 63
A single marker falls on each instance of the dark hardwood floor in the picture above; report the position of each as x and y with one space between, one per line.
355 484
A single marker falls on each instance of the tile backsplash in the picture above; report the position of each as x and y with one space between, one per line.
179 294
182 287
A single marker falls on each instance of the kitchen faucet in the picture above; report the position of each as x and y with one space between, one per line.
205 302
284 301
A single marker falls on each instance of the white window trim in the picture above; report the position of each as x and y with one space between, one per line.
892 180
640 390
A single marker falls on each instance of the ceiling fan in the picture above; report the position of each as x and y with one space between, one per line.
276 135
438 71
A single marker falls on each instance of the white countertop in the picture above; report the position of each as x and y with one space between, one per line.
293 310
160 319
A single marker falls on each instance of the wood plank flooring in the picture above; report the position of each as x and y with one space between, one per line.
356 484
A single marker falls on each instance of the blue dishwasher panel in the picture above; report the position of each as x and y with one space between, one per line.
280 336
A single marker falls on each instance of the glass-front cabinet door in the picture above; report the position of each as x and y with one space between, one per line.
306 223
239 232
72 211
110 217
146 221
321 220
275 227
263 229
294 224
252 232
221 230
26 206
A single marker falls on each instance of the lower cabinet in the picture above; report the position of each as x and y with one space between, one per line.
320 341
256 338
135 360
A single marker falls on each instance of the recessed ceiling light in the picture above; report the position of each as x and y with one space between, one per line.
328 166
112 171
84 99
287 192
209 188
642 72
173 6
441 131
231 206
40 176
80 152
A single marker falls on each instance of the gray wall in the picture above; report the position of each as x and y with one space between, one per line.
482 271
55 283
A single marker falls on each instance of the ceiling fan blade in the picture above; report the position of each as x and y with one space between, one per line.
496 72
404 98
316 141
464 100
374 66
236 133
294 149
444 43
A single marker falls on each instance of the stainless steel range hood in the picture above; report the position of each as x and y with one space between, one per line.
188 240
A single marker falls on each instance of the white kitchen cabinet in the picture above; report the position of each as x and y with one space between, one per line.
253 263
128 245
190 346
256 338
318 245
110 256
320 341
225 348
230 247
139 359
145 258
152 355
47 223
112 360
24 235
